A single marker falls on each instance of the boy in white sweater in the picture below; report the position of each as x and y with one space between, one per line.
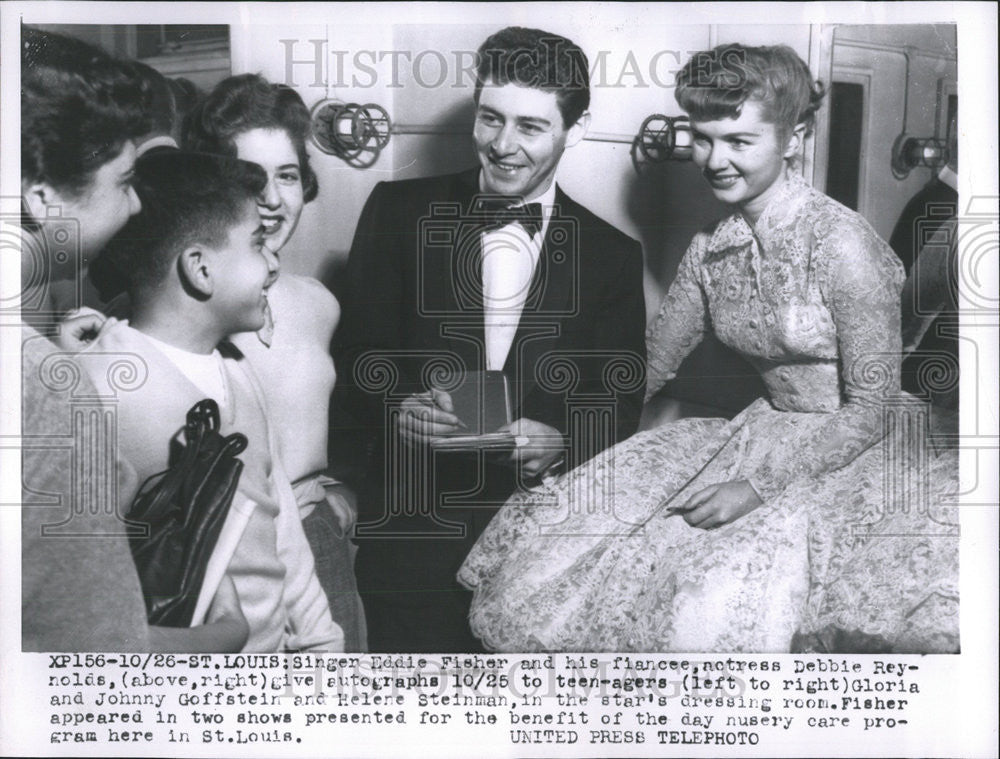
198 271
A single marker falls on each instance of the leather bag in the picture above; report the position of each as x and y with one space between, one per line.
185 508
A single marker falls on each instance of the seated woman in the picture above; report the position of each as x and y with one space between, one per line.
80 111
742 535
247 117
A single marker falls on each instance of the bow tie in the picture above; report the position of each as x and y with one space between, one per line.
497 213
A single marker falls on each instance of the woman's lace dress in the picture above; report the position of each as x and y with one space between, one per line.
851 547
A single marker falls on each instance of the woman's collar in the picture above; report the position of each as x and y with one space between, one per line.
785 202
735 230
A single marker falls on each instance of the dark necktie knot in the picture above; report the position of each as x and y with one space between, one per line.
497 212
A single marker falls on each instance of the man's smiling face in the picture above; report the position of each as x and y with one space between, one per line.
520 137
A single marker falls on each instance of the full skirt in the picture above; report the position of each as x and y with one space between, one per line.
863 558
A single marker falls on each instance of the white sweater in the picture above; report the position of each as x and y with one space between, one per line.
262 546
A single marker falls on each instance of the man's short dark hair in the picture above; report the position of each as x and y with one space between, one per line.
540 60
186 198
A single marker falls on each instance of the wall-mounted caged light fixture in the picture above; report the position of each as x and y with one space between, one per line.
354 133
909 152
665 138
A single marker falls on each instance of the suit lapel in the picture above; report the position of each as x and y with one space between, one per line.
553 281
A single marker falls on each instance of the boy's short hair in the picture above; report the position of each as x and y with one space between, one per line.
540 60
186 198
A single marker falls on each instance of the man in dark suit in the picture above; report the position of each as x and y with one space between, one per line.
490 269
926 240
924 214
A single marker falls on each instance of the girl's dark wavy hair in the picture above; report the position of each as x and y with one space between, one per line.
714 84
78 108
244 102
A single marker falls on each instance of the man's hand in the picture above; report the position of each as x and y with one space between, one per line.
538 445
720 504
81 327
425 416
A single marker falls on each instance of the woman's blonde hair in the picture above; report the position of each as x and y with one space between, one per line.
714 84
